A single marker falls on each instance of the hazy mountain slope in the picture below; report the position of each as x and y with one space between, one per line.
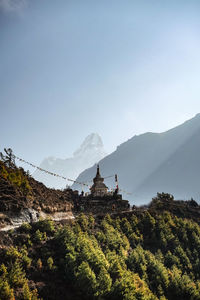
138 159
178 175
89 153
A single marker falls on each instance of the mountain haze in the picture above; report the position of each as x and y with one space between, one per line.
89 153
156 162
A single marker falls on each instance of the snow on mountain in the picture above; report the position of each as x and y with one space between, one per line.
92 144
90 152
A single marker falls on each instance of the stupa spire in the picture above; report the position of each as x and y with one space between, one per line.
98 172
99 188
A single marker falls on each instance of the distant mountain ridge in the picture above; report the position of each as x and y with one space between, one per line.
89 153
156 162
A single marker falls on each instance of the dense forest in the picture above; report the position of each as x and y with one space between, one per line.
151 252
149 256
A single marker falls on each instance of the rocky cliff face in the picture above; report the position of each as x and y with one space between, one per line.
89 153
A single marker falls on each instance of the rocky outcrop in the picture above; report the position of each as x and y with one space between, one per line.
8 220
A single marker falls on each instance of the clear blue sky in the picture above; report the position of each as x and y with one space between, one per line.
119 68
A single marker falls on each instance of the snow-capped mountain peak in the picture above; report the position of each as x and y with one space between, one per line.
92 143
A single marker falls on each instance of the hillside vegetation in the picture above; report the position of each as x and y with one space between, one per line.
143 256
151 252
18 190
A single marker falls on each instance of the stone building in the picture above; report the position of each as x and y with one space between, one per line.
100 200
98 188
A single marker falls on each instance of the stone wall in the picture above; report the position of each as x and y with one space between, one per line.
102 205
